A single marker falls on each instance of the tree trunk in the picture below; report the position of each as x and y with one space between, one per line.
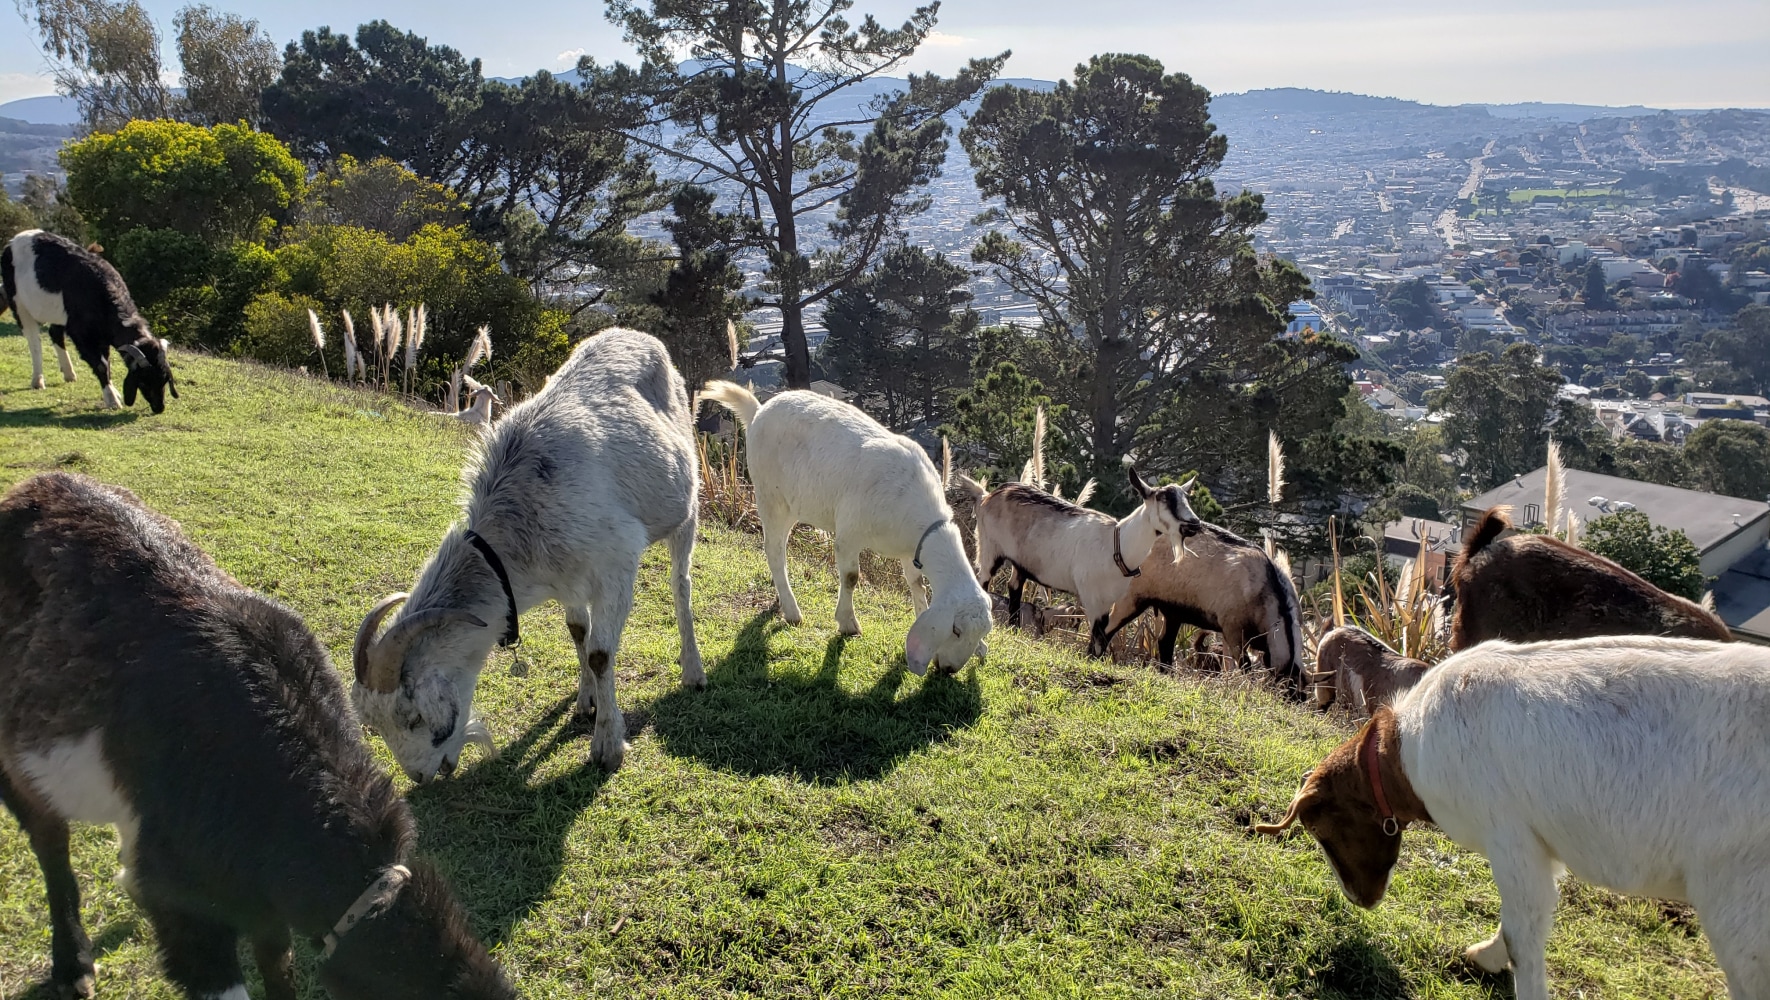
1104 409
793 340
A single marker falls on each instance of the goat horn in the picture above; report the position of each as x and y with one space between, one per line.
365 639
389 653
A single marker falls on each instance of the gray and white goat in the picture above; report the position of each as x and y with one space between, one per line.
143 687
566 492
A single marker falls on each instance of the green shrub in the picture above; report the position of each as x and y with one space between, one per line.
277 331
224 183
459 278
1664 557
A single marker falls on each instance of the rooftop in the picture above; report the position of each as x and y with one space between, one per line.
1708 518
1742 597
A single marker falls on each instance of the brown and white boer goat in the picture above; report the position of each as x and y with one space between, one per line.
1356 669
1638 763
1057 544
1530 587
143 687
1224 583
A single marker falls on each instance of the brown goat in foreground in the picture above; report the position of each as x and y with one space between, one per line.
1532 587
1356 669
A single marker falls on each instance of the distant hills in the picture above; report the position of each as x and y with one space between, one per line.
57 110
51 110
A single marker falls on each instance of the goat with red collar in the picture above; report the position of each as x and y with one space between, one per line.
1638 763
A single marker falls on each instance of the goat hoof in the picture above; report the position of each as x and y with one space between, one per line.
609 758
37 383
849 630
85 986
694 678
1489 956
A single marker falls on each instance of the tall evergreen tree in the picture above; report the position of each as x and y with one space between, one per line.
541 166
699 303
106 56
1157 313
765 103
902 337
1497 412
228 61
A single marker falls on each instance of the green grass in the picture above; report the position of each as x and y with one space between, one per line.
817 822
1562 194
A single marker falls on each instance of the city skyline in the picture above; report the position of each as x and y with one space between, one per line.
1707 54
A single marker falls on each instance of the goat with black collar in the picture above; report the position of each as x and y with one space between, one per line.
565 494
51 281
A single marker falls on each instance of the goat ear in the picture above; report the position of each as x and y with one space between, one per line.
1137 482
131 382
916 652
1304 795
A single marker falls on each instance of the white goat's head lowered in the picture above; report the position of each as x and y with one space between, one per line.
413 702
1166 513
948 634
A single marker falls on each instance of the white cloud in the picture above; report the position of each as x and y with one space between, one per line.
569 57
940 39
16 85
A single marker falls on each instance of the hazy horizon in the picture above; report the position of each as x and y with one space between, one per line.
1703 54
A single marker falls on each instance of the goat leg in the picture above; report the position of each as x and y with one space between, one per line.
276 963
71 967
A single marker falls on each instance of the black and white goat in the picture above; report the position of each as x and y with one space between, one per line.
54 282
565 493
142 686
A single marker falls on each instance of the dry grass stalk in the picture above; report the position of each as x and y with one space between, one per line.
352 362
1405 614
725 495
1274 468
1554 489
319 341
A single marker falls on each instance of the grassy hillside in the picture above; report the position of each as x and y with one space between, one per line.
817 822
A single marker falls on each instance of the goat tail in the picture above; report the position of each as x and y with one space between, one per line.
739 400
1491 526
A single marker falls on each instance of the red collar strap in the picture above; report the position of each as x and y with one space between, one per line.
1391 828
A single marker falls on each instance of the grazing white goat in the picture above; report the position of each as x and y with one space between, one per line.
1065 547
479 410
827 464
1639 763
566 493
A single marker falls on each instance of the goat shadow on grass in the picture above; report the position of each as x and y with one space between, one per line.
114 933
748 721
1353 968
498 834
27 417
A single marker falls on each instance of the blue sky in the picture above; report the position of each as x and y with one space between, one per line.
1694 53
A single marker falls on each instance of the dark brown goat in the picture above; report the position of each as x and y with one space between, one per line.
1527 588
143 687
